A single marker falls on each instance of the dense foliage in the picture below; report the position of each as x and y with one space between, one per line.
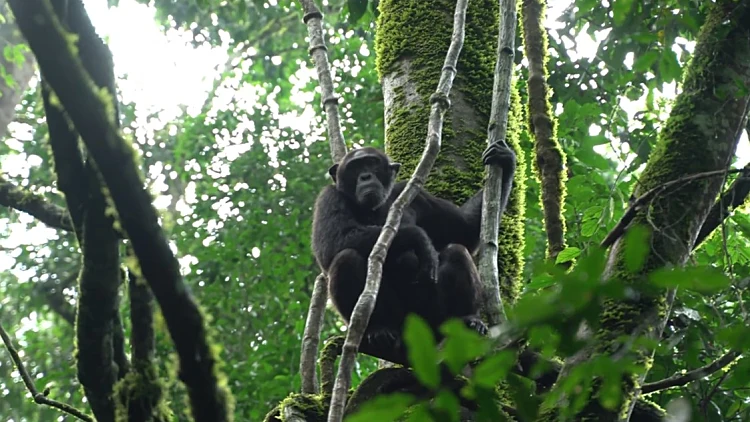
236 180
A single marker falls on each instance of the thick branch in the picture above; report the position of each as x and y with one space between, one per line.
93 119
35 205
549 154
366 302
680 379
492 305
39 398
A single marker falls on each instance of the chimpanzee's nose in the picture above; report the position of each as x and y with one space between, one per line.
365 177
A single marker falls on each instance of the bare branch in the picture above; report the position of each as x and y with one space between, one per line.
734 196
549 154
319 53
311 336
439 104
678 380
35 205
638 204
492 304
39 398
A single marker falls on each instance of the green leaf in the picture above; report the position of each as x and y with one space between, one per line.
493 369
383 408
636 247
568 254
645 61
669 67
620 10
421 350
461 345
357 9
699 279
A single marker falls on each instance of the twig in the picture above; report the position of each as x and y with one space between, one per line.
492 304
39 398
329 100
439 104
199 371
549 154
311 337
679 380
637 205
319 53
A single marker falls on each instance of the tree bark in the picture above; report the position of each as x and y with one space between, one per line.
20 71
409 69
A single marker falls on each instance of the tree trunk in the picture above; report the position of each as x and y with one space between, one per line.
19 72
700 135
409 67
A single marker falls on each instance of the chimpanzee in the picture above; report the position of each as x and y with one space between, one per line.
428 269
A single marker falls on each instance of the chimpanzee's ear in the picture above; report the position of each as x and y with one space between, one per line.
332 171
395 167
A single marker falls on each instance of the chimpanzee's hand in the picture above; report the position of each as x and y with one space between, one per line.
500 154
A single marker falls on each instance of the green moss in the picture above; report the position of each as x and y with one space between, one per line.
458 172
141 393
311 405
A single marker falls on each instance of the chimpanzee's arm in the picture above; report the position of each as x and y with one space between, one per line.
446 223
336 228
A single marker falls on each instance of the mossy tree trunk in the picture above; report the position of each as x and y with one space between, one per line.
409 66
700 135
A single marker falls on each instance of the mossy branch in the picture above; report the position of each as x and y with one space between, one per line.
35 205
550 158
439 104
99 345
313 18
92 116
39 398
492 304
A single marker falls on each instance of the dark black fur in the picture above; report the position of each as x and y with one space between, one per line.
428 269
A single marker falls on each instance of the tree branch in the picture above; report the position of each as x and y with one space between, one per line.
39 398
35 205
679 379
363 309
734 196
93 119
639 203
319 53
492 304
311 336
550 157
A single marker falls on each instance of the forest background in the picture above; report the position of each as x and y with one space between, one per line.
225 112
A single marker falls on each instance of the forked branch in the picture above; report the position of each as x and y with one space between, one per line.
439 104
